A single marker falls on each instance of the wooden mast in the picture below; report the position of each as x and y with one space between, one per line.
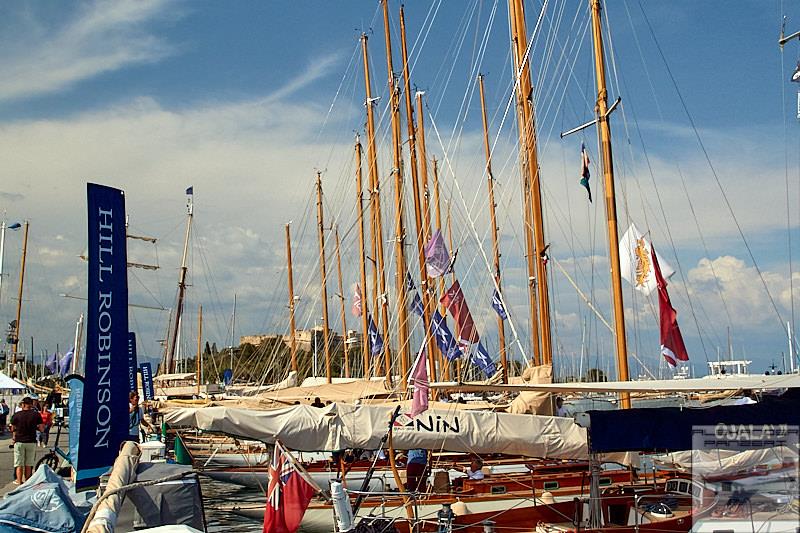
292 331
362 262
423 168
532 190
324 280
604 133
15 344
341 300
172 346
399 236
379 271
501 331
418 219
438 204
199 360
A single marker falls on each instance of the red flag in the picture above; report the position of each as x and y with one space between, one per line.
454 300
288 495
672 347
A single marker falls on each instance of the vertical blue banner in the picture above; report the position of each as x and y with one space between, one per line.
75 384
147 381
104 413
132 365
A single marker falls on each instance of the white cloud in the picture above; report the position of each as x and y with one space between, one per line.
101 36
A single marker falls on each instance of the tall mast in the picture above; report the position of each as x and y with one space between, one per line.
379 272
362 263
501 332
15 344
172 346
292 339
438 204
199 359
341 299
420 224
532 190
233 329
423 167
399 236
604 132
324 278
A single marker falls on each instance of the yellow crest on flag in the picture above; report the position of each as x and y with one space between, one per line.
642 262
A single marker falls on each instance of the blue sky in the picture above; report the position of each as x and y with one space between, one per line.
245 101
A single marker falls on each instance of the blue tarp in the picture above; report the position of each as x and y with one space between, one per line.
44 502
666 429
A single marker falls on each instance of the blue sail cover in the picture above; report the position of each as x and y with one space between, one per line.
666 429
44 503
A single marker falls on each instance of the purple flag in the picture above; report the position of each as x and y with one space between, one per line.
66 362
419 378
437 258
52 363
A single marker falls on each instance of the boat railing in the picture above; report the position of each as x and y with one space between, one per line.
386 494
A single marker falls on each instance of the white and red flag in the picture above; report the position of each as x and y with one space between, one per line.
672 347
288 494
357 308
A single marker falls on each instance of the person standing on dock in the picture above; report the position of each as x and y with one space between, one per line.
24 425
4 410
136 418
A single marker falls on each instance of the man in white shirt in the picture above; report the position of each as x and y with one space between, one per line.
475 470
136 418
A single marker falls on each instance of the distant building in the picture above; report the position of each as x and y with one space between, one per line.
305 339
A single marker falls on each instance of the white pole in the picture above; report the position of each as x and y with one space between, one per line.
791 347
2 245
77 350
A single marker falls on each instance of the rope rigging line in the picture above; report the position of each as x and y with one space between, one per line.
712 168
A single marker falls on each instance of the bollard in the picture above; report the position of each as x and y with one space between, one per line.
445 519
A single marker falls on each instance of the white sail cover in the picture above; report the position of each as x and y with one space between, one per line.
341 426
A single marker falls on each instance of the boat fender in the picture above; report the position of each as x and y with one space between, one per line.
341 507
459 508
547 498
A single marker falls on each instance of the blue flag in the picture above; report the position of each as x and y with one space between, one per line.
227 376
52 363
104 420
66 362
75 405
190 190
132 366
482 360
15 225
375 339
416 302
147 381
497 305
444 338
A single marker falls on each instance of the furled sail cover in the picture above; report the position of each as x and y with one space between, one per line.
666 429
341 426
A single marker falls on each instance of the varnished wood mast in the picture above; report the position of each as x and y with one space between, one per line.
341 300
323 280
362 262
501 331
173 344
399 233
604 133
379 273
418 219
539 298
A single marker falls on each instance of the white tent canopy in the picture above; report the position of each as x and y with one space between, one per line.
342 426
8 384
